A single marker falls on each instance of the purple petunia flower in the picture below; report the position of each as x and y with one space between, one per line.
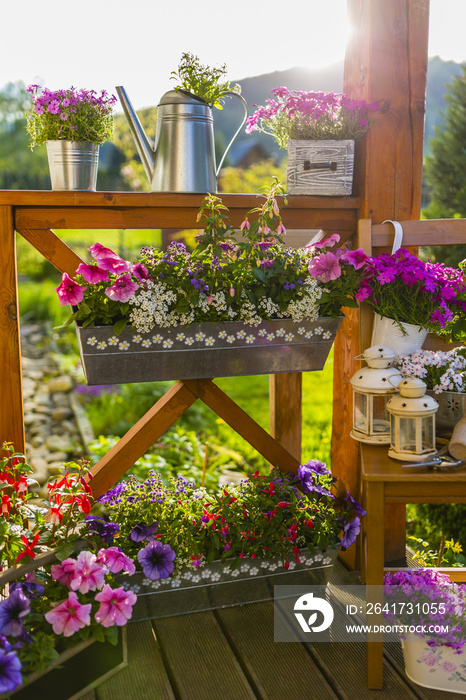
106 530
350 532
353 504
10 671
12 609
157 560
142 532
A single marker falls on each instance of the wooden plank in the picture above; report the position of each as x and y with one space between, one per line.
244 425
140 437
277 670
53 249
53 198
11 395
200 660
332 220
386 62
145 675
285 402
422 233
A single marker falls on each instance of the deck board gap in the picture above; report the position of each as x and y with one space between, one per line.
165 661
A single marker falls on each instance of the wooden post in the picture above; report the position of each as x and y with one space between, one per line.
285 401
386 62
11 393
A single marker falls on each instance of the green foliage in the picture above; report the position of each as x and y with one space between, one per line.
251 179
430 521
202 81
447 554
37 302
132 170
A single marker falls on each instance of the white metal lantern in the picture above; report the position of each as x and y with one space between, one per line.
412 422
372 387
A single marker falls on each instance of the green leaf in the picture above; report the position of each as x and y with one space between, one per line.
64 551
120 326
258 274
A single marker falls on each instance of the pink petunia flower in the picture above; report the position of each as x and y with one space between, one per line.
115 264
64 572
116 561
328 242
92 273
122 289
325 267
116 606
69 616
69 291
89 574
97 250
356 258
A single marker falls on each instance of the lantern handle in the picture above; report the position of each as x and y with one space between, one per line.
398 234
395 374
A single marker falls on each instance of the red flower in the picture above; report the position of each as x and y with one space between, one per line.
287 564
283 504
84 503
28 548
270 490
6 505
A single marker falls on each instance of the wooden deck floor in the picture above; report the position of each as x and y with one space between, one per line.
230 654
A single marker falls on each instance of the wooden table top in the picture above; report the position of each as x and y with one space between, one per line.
378 466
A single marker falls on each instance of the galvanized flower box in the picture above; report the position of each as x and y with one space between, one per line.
320 167
216 586
204 350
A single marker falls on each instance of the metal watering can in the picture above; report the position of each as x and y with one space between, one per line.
183 159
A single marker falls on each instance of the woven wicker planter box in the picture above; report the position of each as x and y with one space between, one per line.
215 586
320 167
204 350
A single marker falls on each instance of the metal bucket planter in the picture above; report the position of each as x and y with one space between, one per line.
320 167
73 165
216 586
451 408
204 350
438 667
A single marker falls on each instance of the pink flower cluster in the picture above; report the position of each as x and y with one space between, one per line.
434 293
84 574
329 266
123 287
298 114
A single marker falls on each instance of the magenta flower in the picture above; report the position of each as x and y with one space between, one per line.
116 606
115 265
325 267
89 574
141 272
350 532
116 561
69 616
97 250
69 291
122 289
64 572
356 258
92 273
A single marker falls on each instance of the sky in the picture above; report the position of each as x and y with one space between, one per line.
98 44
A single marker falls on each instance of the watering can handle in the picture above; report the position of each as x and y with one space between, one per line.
245 105
398 234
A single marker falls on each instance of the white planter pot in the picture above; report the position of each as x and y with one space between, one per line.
386 332
437 667
73 165
320 167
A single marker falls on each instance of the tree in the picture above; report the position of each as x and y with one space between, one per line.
445 167
20 168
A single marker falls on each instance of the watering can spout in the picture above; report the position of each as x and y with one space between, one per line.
144 146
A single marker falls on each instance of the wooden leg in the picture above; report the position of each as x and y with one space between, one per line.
11 394
374 558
